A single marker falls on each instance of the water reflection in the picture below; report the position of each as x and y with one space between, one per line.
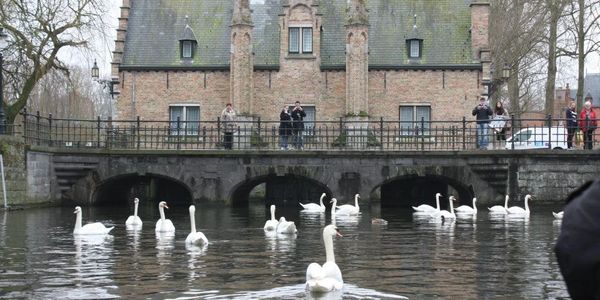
467 259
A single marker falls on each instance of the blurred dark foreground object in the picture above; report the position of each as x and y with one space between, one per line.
578 245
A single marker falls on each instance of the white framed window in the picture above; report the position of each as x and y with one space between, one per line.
300 40
309 120
415 49
187 49
189 118
415 119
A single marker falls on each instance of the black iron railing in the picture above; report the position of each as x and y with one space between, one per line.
257 134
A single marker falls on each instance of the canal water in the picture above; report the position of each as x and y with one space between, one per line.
469 259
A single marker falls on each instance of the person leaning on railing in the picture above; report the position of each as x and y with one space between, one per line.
588 123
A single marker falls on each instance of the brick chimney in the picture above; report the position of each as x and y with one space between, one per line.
242 62
357 57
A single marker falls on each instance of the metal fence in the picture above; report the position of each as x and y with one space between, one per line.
256 134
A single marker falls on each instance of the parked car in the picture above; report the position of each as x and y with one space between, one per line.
538 138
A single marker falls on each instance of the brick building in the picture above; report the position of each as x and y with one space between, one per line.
392 59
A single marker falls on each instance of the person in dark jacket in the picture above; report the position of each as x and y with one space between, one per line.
298 116
482 112
578 245
285 127
571 116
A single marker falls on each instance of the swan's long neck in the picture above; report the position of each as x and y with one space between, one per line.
161 210
273 213
333 206
329 256
474 205
437 202
506 202
356 201
135 209
451 206
526 204
193 222
78 220
321 201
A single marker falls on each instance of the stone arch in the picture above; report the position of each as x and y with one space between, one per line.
300 13
151 187
413 190
286 190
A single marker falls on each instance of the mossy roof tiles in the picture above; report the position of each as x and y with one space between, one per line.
155 27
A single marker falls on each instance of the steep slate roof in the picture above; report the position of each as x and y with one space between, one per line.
154 29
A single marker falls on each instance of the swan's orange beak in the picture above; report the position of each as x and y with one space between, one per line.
338 234
166 206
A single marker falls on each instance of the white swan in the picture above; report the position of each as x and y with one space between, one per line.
348 209
272 223
195 237
519 211
134 221
92 228
315 207
326 278
164 225
429 208
286 227
558 215
444 214
497 209
467 210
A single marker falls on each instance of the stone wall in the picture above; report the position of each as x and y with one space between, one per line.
15 174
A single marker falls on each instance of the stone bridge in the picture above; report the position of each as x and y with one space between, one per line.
397 179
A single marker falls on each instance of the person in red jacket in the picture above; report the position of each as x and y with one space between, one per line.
587 124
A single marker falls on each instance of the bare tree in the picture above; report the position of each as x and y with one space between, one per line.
516 33
38 31
554 9
582 31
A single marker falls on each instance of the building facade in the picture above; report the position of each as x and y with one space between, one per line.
397 60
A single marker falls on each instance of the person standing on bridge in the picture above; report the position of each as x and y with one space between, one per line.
298 116
228 119
571 116
588 123
482 112
285 127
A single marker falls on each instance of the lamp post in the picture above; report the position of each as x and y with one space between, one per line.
3 43
106 83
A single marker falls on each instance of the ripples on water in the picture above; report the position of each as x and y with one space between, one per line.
468 259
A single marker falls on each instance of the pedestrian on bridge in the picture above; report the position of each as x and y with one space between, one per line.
482 112
285 127
298 116
228 118
571 115
588 123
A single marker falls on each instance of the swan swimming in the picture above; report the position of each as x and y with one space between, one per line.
195 237
444 214
315 207
428 208
92 228
519 211
134 221
348 209
467 210
558 215
272 223
286 227
497 209
326 278
164 225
